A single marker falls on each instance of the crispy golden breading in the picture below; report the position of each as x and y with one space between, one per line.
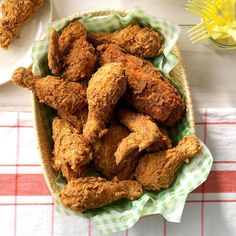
71 150
93 192
162 144
24 77
72 32
14 14
78 120
71 53
156 171
80 61
145 133
105 88
69 97
142 42
66 170
147 90
54 54
104 158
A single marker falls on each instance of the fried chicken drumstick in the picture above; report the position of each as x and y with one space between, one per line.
142 42
71 151
156 171
105 88
147 90
14 14
69 97
87 193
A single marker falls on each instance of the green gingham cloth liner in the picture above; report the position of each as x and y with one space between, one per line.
124 214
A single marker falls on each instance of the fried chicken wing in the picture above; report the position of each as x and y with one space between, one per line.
80 61
71 151
162 144
72 32
69 97
78 120
145 133
104 158
14 14
147 91
71 53
156 171
54 54
87 193
142 42
105 88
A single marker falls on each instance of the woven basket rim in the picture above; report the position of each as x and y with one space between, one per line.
48 172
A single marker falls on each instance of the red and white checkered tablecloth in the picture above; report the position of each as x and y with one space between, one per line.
26 206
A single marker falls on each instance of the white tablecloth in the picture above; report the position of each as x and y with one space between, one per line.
26 206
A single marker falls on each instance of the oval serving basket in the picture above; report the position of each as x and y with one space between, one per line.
124 214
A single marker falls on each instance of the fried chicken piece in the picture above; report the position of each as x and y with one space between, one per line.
24 77
14 14
69 97
72 32
54 54
145 133
62 166
156 171
142 42
87 193
147 91
105 88
78 120
71 150
71 53
104 158
80 61
162 144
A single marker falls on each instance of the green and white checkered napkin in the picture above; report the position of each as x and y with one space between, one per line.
124 214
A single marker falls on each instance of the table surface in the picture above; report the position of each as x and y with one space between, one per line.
210 70
210 73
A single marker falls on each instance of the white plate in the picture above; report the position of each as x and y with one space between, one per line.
19 52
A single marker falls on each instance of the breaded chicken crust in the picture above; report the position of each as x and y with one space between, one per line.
71 150
156 171
144 133
105 88
80 61
14 14
87 193
73 31
142 42
104 158
69 97
147 91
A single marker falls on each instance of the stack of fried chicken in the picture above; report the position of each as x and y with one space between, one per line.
114 122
